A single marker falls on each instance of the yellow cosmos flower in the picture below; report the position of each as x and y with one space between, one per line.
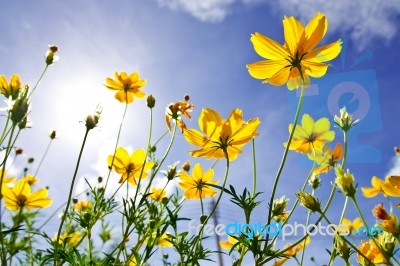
157 194
70 238
292 252
130 166
392 186
196 186
10 89
228 244
6 180
31 179
352 225
83 205
298 58
311 135
219 136
127 87
20 197
389 187
371 251
326 158
162 241
175 111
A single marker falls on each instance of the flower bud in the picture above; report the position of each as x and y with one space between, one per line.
151 101
342 248
186 166
31 160
51 56
345 181
203 219
379 212
314 181
278 209
20 107
345 121
308 201
92 120
53 134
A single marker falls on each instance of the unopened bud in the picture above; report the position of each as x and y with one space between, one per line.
186 166
53 134
203 219
308 201
51 55
31 160
92 120
151 101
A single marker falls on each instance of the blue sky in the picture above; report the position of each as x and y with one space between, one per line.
198 48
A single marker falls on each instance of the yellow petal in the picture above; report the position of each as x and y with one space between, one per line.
113 84
294 34
315 69
324 53
121 96
307 123
194 137
370 192
377 182
315 31
322 125
138 157
268 48
266 69
197 172
209 121
280 78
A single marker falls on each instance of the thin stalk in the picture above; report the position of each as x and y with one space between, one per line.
307 223
284 160
254 168
44 156
37 83
90 248
366 225
69 197
116 146
4 134
215 205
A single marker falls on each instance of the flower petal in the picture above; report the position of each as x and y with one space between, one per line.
324 53
315 31
266 69
294 34
268 48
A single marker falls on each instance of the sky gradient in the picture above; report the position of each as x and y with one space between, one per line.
199 48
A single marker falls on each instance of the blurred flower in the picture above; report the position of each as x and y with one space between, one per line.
314 181
376 189
6 180
342 249
31 179
175 111
326 158
371 251
389 222
352 225
70 238
345 121
11 89
131 167
127 87
345 181
82 205
228 244
292 251
298 58
132 261
162 241
186 166
219 136
392 186
311 135
51 55
196 186
53 134
20 197
157 194
172 171
397 150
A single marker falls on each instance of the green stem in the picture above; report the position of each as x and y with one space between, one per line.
307 223
40 78
3 134
44 156
116 146
89 237
348 242
214 207
254 168
353 198
284 160
69 198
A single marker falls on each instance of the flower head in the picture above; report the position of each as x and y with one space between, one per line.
345 181
11 89
228 244
392 186
298 58
31 179
345 121
279 212
132 166
352 225
376 189
127 87
292 252
308 201
175 111
311 135
326 158
20 197
372 252
197 185
221 137
51 55
157 194
93 119
82 205
70 238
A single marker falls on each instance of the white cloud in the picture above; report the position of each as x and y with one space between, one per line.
204 10
395 168
364 20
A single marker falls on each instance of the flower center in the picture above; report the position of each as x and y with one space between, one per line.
130 168
21 199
